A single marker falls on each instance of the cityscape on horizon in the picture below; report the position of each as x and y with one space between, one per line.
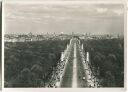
40 37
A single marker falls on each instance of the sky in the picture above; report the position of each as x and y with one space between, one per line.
95 18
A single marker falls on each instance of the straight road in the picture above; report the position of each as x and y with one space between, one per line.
74 74
74 82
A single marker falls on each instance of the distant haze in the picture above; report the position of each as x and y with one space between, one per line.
66 18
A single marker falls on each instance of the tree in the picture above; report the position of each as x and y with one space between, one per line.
112 58
98 59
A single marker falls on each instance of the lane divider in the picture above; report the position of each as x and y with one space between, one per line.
74 82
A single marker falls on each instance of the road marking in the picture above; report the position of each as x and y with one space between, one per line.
74 81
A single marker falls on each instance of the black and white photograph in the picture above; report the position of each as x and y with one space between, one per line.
64 44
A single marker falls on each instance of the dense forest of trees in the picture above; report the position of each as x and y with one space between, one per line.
107 59
29 64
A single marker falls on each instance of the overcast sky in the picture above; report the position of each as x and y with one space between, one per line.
64 17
